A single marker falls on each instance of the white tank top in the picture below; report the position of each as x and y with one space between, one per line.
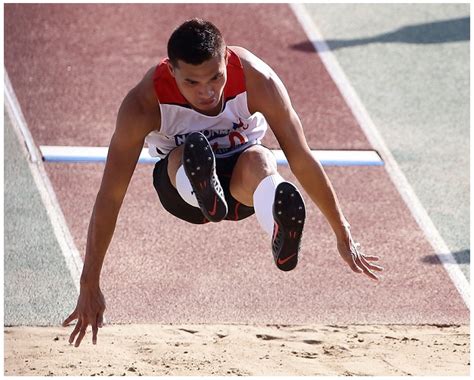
232 130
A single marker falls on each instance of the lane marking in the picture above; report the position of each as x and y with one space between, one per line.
99 154
396 175
15 114
50 202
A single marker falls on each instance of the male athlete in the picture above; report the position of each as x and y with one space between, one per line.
204 111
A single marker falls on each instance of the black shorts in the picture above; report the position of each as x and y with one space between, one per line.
175 205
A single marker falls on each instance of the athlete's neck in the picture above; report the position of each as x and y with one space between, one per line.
215 111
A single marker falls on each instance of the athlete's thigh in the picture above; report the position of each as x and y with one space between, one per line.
170 198
174 162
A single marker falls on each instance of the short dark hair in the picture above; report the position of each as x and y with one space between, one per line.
194 42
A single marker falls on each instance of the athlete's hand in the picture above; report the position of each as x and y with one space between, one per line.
358 261
89 311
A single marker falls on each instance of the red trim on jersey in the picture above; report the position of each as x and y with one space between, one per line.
167 90
235 77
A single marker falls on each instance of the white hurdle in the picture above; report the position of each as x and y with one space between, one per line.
85 154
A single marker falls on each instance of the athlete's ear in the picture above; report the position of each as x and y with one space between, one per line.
170 68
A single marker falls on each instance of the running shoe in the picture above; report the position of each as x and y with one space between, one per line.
289 216
200 167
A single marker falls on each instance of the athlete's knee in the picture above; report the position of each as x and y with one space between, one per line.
258 160
253 165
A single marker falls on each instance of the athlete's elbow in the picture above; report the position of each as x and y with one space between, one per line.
108 200
302 163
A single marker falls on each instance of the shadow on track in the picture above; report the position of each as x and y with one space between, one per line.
446 31
461 257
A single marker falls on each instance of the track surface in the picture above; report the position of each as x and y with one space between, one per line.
412 75
70 67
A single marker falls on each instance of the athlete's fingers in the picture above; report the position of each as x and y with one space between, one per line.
377 268
75 331
353 264
94 332
371 275
362 266
362 262
69 319
81 335
372 258
370 265
100 320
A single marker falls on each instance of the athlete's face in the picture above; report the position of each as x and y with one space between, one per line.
202 85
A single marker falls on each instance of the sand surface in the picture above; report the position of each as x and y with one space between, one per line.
241 350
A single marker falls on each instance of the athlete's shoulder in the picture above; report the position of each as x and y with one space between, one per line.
139 110
253 66
263 85
144 91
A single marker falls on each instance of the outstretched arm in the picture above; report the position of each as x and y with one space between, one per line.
268 95
132 126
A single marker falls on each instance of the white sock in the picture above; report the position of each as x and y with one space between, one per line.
184 187
263 198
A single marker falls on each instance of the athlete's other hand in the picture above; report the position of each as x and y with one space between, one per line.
358 261
89 311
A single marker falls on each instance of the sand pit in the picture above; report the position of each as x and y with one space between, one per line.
144 350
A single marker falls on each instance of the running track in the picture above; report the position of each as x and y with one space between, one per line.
70 66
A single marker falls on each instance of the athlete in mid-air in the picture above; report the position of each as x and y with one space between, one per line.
204 111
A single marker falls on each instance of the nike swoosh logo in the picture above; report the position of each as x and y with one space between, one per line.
214 210
281 262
